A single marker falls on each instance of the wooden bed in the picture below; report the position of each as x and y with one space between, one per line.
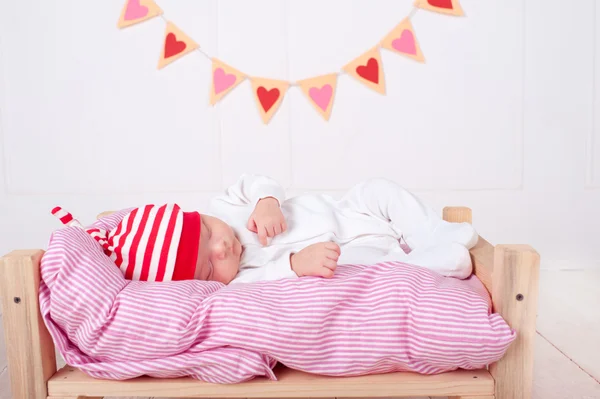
510 273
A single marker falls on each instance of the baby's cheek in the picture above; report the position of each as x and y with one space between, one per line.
228 271
202 269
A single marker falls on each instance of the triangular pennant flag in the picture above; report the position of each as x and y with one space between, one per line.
320 91
368 70
135 11
402 40
175 45
449 7
269 94
224 79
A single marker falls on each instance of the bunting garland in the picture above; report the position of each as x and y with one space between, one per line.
269 93
402 40
224 80
320 91
450 7
368 70
176 45
136 11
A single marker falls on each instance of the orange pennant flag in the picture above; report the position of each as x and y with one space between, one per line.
175 45
224 79
268 94
402 40
320 91
448 7
135 11
368 70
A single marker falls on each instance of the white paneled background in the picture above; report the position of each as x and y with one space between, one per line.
504 117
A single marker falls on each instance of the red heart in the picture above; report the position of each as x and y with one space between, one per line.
267 97
369 72
173 46
441 3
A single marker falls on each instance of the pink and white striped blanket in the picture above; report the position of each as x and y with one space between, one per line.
367 319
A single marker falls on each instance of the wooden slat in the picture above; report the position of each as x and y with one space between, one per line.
83 397
515 297
291 384
471 397
30 350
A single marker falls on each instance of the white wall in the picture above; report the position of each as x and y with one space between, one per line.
501 118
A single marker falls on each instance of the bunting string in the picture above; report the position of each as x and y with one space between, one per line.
367 68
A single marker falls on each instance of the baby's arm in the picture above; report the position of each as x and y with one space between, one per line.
262 196
265 265
250 189
317 260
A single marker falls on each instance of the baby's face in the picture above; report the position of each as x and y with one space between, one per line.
219 251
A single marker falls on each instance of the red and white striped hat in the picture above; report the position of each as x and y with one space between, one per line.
151 243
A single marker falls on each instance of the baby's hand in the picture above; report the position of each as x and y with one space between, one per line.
267 219
319 260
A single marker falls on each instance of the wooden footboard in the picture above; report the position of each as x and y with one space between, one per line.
509 272
29 346
511 275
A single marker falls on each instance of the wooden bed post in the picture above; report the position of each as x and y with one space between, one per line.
30 350
515 296
511 275
458 214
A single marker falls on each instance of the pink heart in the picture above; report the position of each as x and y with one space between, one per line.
405 43
135 10
223 81
321 96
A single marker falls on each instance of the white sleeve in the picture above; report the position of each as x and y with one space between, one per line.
249 189
277 269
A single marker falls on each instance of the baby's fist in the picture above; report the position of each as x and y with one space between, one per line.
317 260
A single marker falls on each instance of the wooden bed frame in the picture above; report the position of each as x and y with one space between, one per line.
509 272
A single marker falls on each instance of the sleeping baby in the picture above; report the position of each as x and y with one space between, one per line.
253 233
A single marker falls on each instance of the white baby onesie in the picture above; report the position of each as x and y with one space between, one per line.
367 223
